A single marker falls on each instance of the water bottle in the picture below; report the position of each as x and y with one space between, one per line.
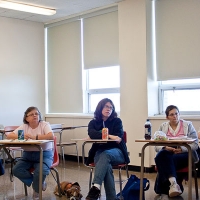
147 126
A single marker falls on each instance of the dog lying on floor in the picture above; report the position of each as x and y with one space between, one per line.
71 190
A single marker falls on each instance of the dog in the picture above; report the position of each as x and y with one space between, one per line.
71 190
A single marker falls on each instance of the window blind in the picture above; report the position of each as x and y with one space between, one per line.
100 41
177 28
64 70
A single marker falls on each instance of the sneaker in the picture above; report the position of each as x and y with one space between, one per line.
93 194
35 195
174 190
44 186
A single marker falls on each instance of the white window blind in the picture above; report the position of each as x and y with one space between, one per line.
64 68
100 41
177 39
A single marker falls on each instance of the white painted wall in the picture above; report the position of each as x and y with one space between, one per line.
22 69
22 77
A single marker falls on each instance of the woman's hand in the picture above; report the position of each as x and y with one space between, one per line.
170 149
28 136
114 137
174 150
179 150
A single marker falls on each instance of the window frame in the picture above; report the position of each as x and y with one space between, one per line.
167 87
88 92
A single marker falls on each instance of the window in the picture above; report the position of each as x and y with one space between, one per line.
102 83
183 93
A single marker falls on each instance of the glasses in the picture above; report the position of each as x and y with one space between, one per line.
32 114
108 107
173 114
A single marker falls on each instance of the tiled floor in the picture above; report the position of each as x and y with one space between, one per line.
73 173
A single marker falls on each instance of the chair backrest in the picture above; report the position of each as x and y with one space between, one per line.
56 128
8 129
56 156
125 137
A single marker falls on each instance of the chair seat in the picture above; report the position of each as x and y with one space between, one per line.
183 170
66 143
114 166
15 148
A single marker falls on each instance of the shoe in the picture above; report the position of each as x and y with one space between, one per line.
174 190
35 195
161 197
44 186
93 194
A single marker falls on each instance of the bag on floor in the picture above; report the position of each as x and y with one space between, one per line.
131 190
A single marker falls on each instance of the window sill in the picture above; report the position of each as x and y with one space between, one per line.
186 117
70 115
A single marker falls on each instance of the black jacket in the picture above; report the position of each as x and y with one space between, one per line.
115 128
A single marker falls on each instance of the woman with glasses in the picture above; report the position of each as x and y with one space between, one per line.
104 155
36 129
169 159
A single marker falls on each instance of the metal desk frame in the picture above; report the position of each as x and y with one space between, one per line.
29 144
167 143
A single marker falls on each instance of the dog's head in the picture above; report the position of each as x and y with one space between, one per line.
74 193
64 186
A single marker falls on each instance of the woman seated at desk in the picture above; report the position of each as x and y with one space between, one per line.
107 154
36 129
169 159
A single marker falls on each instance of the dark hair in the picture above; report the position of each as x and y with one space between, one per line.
98 112
28 110
169 108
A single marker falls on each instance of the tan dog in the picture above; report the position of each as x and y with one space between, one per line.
74 193
71 190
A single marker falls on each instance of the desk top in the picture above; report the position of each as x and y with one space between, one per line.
94 140
188 141
67 128
24 142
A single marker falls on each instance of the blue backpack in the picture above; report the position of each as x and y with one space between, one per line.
131 190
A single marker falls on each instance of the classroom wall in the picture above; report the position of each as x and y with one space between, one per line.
22 69
22 72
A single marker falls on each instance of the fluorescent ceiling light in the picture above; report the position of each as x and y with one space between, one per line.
26 8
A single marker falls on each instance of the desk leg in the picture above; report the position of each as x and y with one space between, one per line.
142 171
40 173
83 153
189 170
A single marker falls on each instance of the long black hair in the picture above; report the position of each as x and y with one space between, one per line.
98 112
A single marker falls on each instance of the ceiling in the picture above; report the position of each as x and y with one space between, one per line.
64 9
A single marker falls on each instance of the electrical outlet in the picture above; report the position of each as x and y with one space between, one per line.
128 153
139 154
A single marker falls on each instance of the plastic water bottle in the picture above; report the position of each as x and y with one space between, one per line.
147 127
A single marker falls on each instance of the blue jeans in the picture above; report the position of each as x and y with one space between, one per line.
104 159
167 164
31 160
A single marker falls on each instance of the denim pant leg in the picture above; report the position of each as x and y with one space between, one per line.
47 162
31 160
167 163
103 169
21 171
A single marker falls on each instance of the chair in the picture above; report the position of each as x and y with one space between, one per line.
119 167
52 168
12 150
8 129
184 172
58 128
